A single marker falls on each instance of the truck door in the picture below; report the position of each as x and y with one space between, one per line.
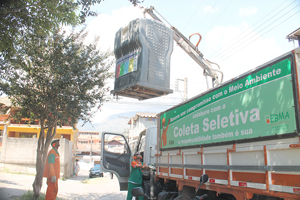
116 157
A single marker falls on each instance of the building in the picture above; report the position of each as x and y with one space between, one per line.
137 124
18 140
27 129
87 142
88 148
115 145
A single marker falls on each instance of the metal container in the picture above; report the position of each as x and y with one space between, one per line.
143 50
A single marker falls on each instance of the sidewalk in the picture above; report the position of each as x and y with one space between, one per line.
22 169
17 180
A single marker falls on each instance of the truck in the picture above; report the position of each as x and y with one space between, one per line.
244 134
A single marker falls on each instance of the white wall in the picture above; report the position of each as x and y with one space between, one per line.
23 151
140 124
19 151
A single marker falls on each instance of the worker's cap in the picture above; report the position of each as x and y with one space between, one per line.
137 153
57 140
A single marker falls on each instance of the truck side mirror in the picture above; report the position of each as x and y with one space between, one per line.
138 191
203 179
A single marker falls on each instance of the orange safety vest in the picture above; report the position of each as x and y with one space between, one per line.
52 169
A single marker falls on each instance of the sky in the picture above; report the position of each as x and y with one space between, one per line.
237 35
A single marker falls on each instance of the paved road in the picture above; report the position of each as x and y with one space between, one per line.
104 188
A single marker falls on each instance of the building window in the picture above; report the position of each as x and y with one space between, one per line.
27 135
150 119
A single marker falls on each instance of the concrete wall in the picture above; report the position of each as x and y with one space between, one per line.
23 151
66 159
19 151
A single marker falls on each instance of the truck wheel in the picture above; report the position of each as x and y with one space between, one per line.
173 196
163 196
187 191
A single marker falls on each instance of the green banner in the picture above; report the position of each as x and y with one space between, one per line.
261 104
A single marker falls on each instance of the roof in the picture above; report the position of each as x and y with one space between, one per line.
295 35
142 115
5 101
114 142
88 137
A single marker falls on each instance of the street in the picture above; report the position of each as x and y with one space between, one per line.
14 184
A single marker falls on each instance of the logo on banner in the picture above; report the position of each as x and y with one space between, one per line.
273 118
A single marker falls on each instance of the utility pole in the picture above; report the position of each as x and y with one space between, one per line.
185 92
91 149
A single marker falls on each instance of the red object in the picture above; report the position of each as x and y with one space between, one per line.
242 184
296 190
212 180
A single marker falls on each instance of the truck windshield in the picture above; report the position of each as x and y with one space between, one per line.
115 144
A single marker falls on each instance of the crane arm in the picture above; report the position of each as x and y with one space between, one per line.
191 50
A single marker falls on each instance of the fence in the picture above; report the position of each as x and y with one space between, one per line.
23 151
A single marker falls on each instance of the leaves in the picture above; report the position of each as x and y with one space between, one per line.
58 77
23 17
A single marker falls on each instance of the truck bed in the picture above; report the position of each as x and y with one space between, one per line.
265 167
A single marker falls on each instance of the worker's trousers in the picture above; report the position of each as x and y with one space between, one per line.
52 189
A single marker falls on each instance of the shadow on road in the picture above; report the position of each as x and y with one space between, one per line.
9 182
12 194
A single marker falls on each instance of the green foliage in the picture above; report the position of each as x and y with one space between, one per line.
28 196
50 77
136 2
22 17
57 78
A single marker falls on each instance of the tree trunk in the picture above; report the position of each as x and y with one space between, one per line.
42 151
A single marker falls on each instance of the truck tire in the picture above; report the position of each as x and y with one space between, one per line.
187 191
167 195
162 196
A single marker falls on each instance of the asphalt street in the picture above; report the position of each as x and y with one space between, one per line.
17 183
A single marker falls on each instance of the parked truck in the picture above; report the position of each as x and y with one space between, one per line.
244 134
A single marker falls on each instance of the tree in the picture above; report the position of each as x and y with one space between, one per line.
56 80
22 17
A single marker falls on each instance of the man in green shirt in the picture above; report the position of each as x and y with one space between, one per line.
136 175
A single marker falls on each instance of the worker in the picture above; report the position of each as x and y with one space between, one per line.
164 134
136 175
52 171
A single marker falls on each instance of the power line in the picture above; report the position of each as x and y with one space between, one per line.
193 14
236 38
207 15
217 18
261 35
243 46
246 39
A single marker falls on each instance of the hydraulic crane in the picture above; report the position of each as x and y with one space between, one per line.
192 51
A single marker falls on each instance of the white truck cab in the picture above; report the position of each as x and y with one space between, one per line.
116 154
